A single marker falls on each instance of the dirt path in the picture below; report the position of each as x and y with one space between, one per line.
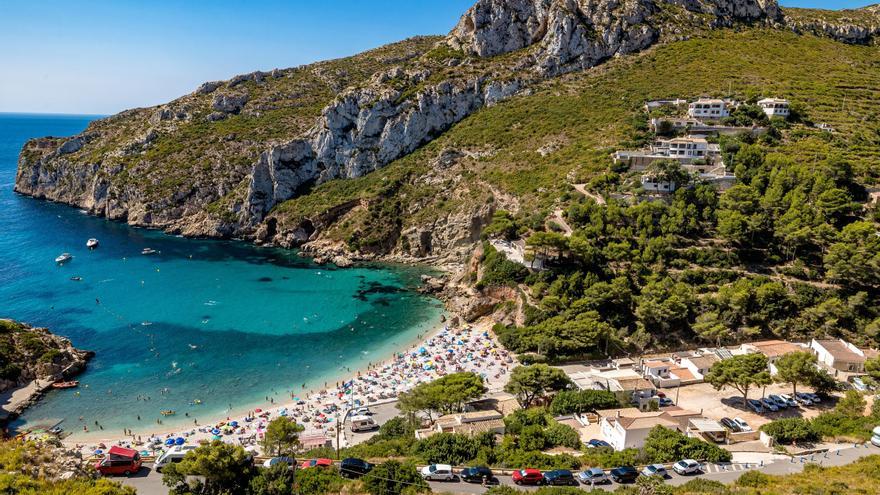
560 220
582 188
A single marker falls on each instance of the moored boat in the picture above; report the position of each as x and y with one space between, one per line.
64 258
148 251
70 384
92 243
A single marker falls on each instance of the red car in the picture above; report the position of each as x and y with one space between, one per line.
528 477
322 462
119 460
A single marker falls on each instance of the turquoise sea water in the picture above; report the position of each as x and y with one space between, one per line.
224 323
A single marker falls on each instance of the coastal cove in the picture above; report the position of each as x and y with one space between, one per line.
202 327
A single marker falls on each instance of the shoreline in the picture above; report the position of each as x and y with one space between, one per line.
311 398
240 411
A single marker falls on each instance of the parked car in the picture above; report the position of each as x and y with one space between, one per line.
860 385
353 467
730 425
686 466
666 401
594 443
119 460
655 470
593 476
528 476
789 400
624 474
755 405
813 397
742 424
778 401
438 472
769 405
875 437
361 411
321 462
803 399
290 461
559 477
476 474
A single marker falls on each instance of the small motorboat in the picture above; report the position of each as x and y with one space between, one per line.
71 384
167 412
64 258
147 251
92 243
76 279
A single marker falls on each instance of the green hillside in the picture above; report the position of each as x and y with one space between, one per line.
583 117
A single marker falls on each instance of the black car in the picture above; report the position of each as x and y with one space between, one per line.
730 425
354 468
559 477
624 474
595 443
477 474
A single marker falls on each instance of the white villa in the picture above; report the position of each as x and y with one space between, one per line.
708 108
775 107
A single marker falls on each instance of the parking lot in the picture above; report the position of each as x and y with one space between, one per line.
717 404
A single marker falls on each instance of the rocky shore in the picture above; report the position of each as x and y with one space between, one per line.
34 359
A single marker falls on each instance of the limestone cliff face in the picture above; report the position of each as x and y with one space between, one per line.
859 26
577 34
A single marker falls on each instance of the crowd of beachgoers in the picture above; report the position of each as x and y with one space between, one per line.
448 350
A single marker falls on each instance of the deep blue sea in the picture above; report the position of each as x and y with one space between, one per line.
223 323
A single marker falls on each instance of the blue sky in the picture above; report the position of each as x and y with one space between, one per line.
103 56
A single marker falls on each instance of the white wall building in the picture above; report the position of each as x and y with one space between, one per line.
775 107
708 108
840 355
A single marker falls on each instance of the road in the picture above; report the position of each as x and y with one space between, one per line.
148 482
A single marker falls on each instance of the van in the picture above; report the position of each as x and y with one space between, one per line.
119 460
363 423
174 454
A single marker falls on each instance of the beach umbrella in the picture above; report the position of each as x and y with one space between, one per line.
216 437
98 451
258 410
233 423
169 442
215 431
179 441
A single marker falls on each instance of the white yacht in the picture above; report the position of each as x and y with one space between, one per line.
149 251
92 243
64 258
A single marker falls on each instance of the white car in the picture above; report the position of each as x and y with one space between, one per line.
655 470
438 472
742 424
686 466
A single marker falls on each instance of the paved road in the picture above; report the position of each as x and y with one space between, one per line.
148 482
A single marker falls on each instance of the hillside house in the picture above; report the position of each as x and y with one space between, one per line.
468 423
686 150
840 355
708 108
629 428
699 365
775 107
773 349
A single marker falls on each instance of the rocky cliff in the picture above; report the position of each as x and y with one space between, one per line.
28 353
220 161
855 26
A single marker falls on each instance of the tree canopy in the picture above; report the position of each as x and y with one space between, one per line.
445 395
530 382
740 372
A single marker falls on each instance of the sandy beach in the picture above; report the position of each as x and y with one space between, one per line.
441 351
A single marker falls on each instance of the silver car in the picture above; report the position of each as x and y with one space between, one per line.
593 476
655 470
686 466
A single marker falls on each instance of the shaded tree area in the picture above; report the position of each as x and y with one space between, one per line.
790 251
